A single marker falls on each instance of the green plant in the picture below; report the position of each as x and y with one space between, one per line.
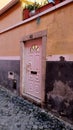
33 7
45 2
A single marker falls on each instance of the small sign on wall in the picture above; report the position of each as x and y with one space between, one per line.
10 75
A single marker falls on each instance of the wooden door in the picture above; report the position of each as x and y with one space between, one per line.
33 71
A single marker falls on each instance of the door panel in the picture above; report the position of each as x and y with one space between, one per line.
33 55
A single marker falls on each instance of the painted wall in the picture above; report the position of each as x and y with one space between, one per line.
11 17
60 31
59 87
10 74
9 43
59 25
9 53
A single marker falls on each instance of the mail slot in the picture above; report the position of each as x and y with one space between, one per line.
33 72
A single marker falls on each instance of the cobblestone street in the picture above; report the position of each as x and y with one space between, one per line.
19 114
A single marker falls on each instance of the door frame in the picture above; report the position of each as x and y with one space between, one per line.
43 36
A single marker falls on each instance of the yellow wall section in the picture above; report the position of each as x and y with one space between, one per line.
3 3
60 32
11 17
58 23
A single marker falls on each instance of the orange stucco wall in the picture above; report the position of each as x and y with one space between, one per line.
59 25
11 17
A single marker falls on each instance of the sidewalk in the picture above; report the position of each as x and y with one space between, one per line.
19 114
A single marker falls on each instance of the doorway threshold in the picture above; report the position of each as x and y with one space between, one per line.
32 98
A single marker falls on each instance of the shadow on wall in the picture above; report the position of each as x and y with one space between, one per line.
59 87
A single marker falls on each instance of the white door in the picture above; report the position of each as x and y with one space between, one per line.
33 72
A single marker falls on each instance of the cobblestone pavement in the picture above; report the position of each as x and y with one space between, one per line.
19 114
